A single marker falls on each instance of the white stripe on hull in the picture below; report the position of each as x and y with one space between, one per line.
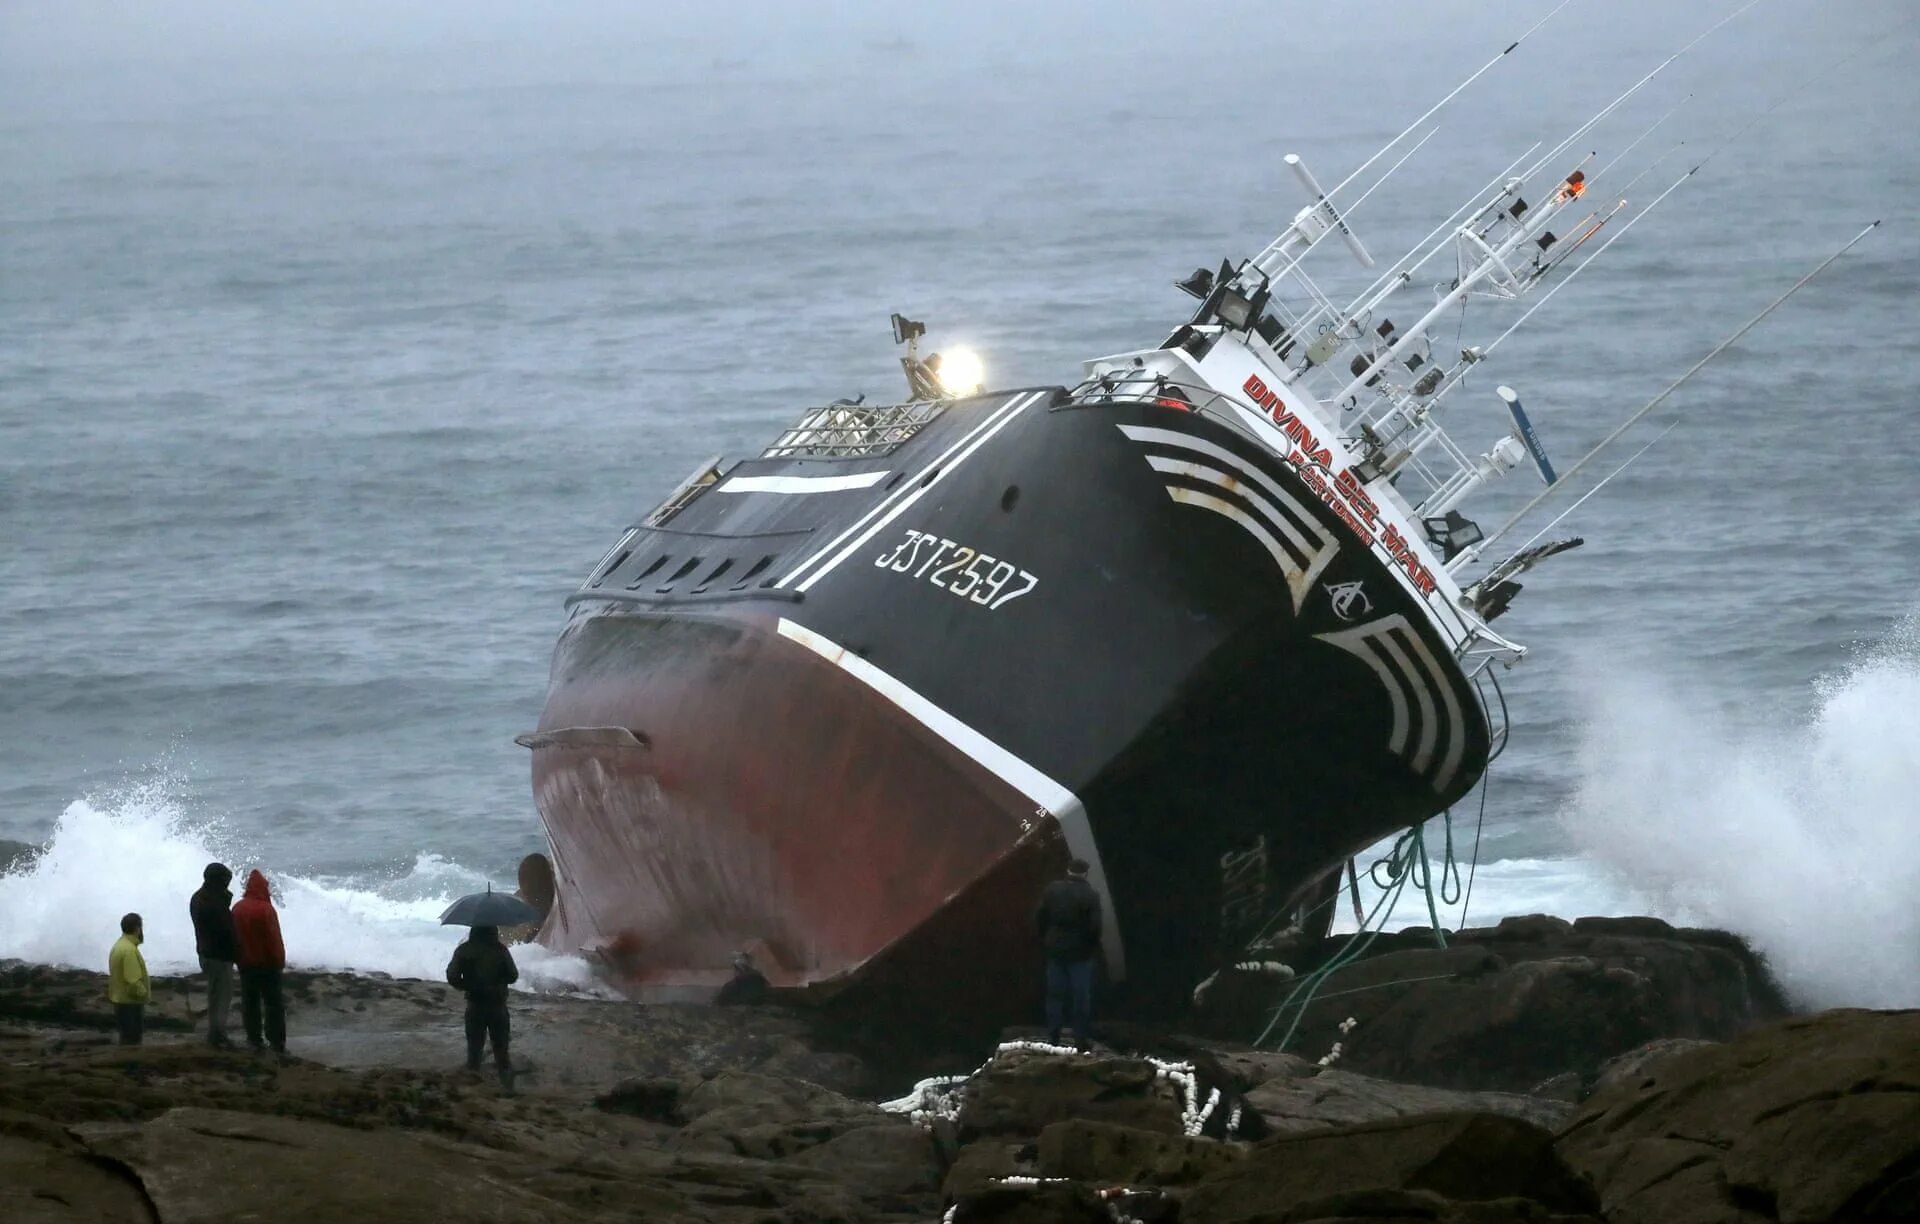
937 472
1312 548
905 489
1407 669
800 484
1056 800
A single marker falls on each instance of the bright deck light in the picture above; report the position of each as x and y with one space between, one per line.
961 372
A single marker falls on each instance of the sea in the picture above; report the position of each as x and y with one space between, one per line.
338 341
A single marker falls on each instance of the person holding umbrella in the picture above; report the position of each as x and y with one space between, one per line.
482 968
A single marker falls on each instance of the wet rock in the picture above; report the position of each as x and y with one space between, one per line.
1415 1207
1640 1062
1108 1154
1251 1068
985 1162
893 1166
1341 1098
1059 1202
49 1177
769 1118
1021 1092
209 1165
1811 1119
1466 1158
1511 1006
655 1098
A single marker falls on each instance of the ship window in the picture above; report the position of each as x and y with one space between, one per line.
753 572
718 570
613 565
644 574
691 564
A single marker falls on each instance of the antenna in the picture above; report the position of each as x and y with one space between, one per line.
1324 200
1631 90
1457 89
1677 383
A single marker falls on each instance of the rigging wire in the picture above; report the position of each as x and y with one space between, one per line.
1675 385
1432 110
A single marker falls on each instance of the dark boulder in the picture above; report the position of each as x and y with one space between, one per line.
1107 1154
985 1162
1329 1097
1638 1063
1812 1119
1027 1202
1021 1092
895 1166
1512 1006
1466 1158
767 1117
655 1098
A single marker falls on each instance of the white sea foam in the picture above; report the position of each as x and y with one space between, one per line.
1803 838
137 850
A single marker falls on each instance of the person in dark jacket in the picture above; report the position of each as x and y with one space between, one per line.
261 957
213 938
1069 920
483 968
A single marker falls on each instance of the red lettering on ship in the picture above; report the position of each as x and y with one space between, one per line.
1402 552
1341 491
1306 447
1349 486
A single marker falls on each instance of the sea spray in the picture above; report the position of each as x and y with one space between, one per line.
1801 838
137 850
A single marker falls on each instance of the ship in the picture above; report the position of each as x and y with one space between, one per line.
1211 617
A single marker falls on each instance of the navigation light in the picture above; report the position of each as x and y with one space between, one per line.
961 372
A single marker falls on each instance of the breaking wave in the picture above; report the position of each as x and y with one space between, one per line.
1802 838
137 850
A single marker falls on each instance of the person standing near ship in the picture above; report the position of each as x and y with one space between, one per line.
262 957
1069 921
128 987
213 939
483 969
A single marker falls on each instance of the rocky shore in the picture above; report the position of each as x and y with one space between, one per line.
1611 1070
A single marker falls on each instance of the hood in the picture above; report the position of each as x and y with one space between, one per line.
257 887
484 934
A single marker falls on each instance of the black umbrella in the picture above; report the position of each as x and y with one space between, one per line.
490 908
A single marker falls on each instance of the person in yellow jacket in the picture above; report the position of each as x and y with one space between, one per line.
127 986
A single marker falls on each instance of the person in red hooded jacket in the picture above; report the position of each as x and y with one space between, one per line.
256 928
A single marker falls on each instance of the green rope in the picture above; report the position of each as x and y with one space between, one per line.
1407 863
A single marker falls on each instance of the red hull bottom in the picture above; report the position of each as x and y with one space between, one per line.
773 803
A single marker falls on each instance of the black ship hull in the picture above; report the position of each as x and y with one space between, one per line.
850 713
